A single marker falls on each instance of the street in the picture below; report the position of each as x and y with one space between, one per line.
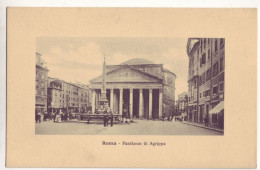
138 127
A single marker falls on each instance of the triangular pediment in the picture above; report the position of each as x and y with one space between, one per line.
127 74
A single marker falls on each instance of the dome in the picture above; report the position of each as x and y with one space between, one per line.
137 61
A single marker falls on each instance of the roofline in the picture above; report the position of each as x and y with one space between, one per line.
43 68
38 53
136 65
188 44
56 79
126 65
164 69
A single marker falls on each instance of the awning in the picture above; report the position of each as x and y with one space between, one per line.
184 114
218 108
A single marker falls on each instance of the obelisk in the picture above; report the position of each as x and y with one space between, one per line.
103 98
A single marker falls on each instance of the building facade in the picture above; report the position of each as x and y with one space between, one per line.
84 98
41 84
67 97
182 104
146 89
55 101
206 78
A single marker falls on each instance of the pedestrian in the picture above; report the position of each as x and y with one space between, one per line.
206 121
45 116
163 116
125 114
105 117
110 113
68 116
58 117
36 114
105 120
38 117
53 116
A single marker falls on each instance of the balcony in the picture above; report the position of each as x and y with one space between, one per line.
40 103
207 98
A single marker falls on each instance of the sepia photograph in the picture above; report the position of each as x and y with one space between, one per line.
129 86
107 87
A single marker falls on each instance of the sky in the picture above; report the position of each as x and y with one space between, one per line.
79 60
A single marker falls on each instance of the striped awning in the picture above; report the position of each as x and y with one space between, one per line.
218 108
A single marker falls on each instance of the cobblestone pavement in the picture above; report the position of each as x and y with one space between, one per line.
138 127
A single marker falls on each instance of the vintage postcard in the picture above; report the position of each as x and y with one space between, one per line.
131 87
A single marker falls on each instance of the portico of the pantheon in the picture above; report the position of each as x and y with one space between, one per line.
146 89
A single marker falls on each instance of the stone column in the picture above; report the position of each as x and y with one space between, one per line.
112 100
150 103
140 103
160 103
121 101
93 100
131 104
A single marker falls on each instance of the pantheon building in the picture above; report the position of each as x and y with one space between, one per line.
146 89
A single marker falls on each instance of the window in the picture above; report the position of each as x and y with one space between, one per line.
216 45
221 64
203 78
206 93
221 42
42 92
203 58
208 40
204 43
201 47
208 54
208 77
221 86
215 90
215 69
200 95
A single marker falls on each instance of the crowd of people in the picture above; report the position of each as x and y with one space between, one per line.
59 116
56 116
